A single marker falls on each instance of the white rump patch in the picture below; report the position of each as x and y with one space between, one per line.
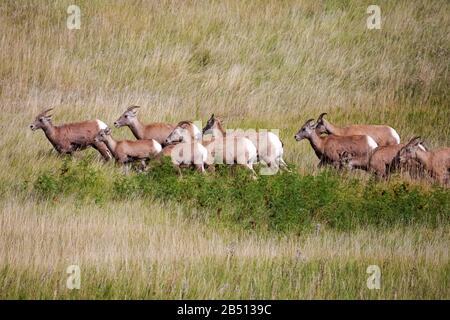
395 135
203 151
197 133
371 142
157 146
252 153
276 143
101 125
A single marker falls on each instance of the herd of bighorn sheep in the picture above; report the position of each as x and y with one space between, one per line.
373 148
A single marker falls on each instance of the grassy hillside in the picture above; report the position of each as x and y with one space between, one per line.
256 64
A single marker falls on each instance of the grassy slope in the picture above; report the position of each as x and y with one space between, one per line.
267 64
140 249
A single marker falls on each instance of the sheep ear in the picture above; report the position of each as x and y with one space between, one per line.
133 109
309 123
423 145
415 141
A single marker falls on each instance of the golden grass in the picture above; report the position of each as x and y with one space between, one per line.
132 238
264 64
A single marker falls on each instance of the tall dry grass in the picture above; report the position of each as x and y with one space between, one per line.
135 249
257 64
265 64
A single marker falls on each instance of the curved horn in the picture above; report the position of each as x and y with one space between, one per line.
321 116
132 108
43 113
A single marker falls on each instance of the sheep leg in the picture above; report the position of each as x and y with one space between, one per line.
200 168
250 166
380 175
143 166
446 180
126 168
177 167
321 164
442 179
103 149
233 169
283 165
336 165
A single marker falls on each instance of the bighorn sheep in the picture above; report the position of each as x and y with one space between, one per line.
269 147
126 151
157 131
184 148
382 162
67 138
330 148
383 135
229 149
436 162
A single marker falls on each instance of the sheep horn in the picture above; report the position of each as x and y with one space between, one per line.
321 116
43 113
132 108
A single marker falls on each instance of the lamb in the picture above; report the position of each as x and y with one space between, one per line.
436 162
70 137
184 148
382 134
229 149
126 151
382 162
329 149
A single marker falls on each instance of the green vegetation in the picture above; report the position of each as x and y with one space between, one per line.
286 202
256 64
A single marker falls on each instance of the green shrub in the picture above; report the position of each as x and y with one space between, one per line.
287 202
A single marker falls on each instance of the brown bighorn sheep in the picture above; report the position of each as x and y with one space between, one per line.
329 149
382 162
269 147
67 138
157 131
229 149
436 162
184 147
383 135
126 151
